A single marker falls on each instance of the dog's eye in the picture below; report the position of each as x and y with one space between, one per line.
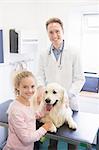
46 92
54 92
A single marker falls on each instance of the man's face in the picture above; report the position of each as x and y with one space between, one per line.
55 33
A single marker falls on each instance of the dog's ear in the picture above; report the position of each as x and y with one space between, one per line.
65 98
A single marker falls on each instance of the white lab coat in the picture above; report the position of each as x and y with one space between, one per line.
71 76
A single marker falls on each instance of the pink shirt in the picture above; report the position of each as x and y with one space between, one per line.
22 131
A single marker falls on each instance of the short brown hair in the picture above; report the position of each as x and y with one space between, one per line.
54 20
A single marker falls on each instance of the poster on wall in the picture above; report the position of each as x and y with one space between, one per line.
1 47
28 42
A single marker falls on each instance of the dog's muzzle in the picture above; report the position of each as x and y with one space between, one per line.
48 105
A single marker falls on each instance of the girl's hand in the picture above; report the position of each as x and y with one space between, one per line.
47 125
39 115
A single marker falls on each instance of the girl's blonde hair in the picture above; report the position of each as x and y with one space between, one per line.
19 76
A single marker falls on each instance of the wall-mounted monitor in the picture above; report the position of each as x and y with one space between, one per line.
13 35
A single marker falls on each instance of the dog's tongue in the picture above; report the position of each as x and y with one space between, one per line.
48 107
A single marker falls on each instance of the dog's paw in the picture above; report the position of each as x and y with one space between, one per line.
53 129
73 125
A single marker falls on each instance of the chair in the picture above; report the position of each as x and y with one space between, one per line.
4 117
3 112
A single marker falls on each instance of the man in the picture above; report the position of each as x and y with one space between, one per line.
61 64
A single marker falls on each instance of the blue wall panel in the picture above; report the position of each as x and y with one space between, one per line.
1 47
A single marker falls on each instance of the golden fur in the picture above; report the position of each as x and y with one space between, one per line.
55 106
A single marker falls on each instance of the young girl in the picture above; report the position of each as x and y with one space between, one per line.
21 118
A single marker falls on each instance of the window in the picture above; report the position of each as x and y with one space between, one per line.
90 42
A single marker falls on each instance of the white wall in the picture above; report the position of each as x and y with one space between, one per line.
32 15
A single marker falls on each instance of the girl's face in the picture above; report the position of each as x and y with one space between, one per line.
27 87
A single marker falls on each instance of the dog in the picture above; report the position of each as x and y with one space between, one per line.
55 106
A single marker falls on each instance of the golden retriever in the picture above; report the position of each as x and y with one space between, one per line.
55 106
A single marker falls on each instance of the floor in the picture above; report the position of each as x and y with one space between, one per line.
61 145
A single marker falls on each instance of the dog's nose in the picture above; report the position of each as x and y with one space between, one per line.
47 100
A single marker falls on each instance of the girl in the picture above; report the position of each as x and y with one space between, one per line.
22 131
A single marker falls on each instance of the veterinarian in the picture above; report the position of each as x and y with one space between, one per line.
60 63
21 118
